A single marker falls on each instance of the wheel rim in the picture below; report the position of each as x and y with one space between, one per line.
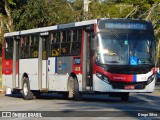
25 89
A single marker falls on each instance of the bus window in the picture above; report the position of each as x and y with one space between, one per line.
34 46
24 52
25 47
65 48
54 50
54 43
77 35
76 47
27 40
66 36
55 37
76 43
66 42
8 48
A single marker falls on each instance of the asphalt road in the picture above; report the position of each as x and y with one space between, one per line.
144 106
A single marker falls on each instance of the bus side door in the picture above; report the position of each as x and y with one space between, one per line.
43 63
15 70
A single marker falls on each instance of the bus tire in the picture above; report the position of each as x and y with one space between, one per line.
125 97
74 89
76 94
26 92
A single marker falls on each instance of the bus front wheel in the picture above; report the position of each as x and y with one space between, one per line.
26 92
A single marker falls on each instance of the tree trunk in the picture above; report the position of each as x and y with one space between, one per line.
9 20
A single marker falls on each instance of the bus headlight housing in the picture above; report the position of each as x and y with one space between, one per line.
150 79
102 77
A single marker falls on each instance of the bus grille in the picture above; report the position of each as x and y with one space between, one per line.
118 85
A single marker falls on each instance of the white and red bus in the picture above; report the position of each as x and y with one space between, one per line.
113 56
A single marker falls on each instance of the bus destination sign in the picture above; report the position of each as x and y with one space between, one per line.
125 24
116 25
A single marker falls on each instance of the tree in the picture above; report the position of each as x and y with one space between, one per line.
6 19
40 13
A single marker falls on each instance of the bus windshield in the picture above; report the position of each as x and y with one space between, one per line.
125 48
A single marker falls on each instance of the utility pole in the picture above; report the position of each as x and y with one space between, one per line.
85 8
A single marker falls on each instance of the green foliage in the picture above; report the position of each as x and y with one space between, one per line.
31 15
39 13
11 2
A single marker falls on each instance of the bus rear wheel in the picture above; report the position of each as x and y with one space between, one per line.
26 92
76 94
74 89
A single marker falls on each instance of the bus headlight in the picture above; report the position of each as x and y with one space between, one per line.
150 79
102 77
99 75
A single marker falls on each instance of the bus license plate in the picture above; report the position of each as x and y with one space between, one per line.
129 87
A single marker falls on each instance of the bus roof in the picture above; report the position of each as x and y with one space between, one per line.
50 28
63 26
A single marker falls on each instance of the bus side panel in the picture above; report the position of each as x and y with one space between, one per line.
7 80
63 65
7 73
6 69
79 77
58 82
29 66
51 72
58 72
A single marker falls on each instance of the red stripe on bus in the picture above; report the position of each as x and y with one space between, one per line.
154 70
7 67
114 77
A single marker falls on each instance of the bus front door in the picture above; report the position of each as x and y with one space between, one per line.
87 83
43 63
